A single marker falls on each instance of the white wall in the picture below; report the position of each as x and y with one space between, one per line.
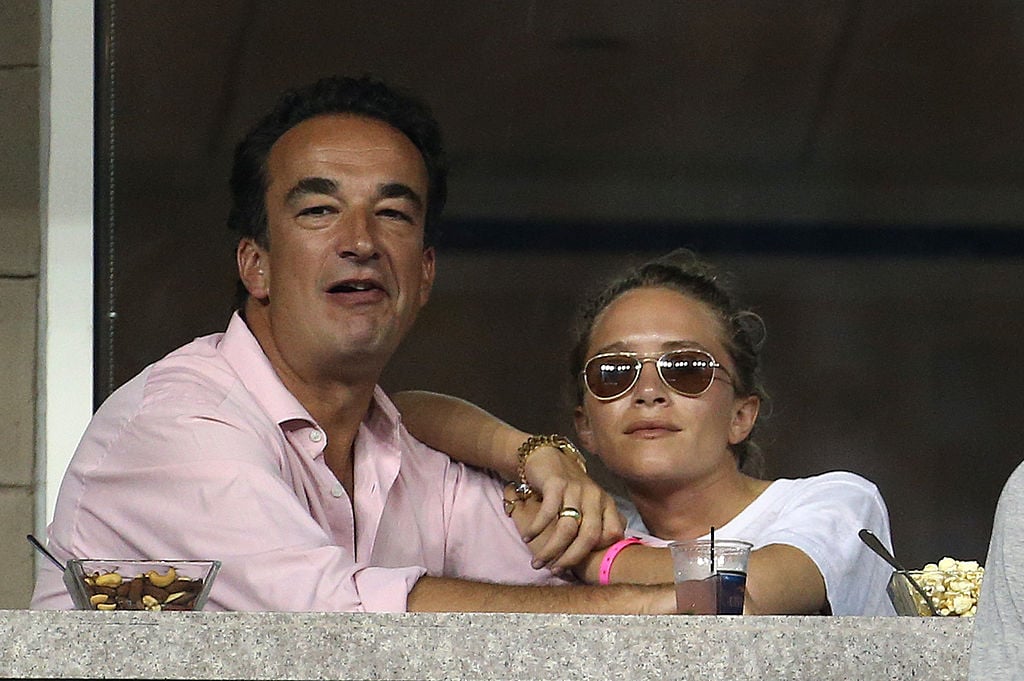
66 286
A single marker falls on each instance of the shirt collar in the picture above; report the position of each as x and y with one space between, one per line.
243 353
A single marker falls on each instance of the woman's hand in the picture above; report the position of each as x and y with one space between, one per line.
471 435
560 542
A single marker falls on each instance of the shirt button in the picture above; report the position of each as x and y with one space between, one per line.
337 490
316 435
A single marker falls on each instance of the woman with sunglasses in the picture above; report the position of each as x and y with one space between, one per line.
668 393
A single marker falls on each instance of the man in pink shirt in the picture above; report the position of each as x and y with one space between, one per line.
271 448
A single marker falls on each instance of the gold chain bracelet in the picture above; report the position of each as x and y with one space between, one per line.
560 442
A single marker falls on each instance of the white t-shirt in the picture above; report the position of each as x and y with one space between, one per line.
821 516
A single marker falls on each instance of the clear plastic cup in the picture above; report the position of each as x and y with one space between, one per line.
710 579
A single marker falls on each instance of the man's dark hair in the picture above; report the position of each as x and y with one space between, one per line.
362 96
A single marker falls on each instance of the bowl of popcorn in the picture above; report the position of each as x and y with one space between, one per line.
154 585
952 586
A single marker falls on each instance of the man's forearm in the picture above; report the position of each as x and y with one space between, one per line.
439 594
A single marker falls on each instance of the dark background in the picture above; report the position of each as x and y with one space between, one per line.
856 167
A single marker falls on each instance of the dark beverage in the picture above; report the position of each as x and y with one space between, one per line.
721 594
732 586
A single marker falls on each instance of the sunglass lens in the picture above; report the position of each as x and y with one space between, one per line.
687 372
610 376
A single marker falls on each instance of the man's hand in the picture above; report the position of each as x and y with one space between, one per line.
560 542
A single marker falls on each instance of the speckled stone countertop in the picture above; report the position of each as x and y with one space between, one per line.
477 646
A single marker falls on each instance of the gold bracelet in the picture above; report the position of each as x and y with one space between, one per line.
560 442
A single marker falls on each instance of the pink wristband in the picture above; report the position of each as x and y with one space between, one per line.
605 574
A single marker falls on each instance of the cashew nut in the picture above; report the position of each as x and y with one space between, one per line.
162 580
106 606
109 579
96 599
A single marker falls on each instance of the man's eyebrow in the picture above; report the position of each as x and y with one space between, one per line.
397 190
311 185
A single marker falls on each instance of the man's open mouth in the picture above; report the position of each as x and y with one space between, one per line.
353 287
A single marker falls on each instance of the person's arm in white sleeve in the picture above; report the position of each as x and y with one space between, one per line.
822 521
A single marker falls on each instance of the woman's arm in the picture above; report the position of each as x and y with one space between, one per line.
462 430
470 434
781 579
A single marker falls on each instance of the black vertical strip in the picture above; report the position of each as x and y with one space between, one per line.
104 308
833 68
242 30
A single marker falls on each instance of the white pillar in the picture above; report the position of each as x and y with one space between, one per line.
66 267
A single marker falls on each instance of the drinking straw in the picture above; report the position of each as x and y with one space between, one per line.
712 549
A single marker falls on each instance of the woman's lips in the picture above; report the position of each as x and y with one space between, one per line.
650 428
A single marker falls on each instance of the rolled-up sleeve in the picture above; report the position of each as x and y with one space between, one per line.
213 490
206 455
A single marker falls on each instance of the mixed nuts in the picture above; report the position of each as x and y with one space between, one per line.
150 591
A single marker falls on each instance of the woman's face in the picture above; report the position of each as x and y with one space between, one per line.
653 435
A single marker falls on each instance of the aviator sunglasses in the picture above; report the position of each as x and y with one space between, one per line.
611 375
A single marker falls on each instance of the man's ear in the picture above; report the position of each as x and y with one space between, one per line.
584 431
743 418
253 268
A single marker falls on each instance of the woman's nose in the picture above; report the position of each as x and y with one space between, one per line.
649 387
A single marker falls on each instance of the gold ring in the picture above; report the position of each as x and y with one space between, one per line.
510 506
570 512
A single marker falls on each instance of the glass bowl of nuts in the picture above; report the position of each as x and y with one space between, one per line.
140 584
951 585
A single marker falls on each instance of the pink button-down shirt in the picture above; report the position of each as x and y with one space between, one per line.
206 454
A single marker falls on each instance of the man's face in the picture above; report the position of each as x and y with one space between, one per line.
346 271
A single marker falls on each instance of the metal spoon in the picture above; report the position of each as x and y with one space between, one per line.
42 549
869 538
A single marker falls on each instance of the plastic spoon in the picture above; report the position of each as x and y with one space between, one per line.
42 549
869 538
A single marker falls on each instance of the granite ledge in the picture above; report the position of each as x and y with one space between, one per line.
477 646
